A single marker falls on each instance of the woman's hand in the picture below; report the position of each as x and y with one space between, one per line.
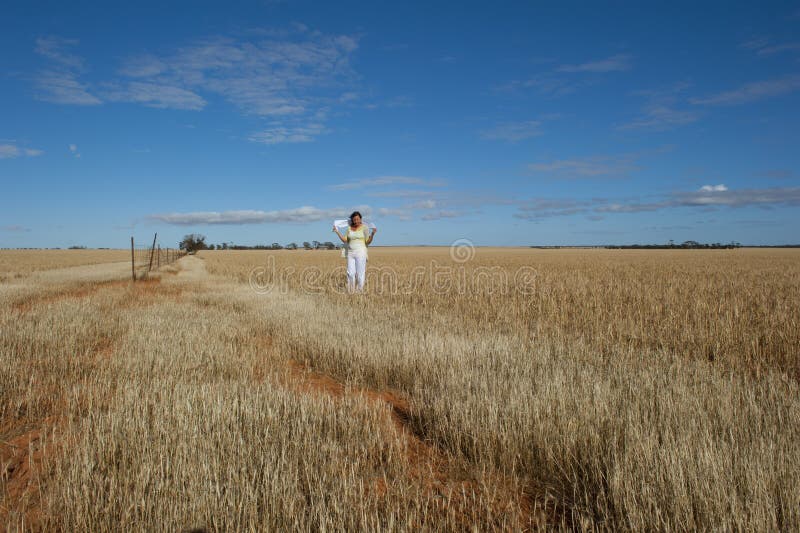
341 237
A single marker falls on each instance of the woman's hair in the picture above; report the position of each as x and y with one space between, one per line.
352 215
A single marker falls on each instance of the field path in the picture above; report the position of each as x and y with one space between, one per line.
192 268
444 485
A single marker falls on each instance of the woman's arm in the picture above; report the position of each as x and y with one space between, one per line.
341 237
371 235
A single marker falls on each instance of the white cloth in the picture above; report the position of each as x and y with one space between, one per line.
343 224
356 271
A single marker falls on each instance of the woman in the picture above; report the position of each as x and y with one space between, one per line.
357 239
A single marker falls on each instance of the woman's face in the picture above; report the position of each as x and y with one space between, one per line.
356 220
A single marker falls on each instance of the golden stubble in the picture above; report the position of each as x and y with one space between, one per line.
618 390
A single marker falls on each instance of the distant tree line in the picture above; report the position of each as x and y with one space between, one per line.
194 242
686 245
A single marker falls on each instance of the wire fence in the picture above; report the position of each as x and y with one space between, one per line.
149 257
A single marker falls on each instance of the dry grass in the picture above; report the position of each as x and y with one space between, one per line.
624 390
20 263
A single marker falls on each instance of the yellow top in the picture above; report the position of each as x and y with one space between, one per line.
357 240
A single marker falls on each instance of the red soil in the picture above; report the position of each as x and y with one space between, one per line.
449 490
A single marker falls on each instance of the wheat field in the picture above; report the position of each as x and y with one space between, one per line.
488 389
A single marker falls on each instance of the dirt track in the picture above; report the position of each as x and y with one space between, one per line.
23 450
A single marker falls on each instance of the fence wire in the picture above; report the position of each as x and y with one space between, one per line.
146 258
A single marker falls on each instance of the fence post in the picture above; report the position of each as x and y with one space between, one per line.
158 264
133 262
152 249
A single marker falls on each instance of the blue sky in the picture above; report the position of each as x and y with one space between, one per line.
506 123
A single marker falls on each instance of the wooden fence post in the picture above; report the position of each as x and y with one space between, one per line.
158 264
133 263
152 249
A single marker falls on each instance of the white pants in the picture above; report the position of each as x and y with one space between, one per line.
356 271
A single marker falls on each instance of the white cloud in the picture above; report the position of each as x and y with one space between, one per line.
73 148
566 79
402 213
10 151
292 76
752 91
709 196
144 66
615 63
661 110
276 76
156 95
661 117
763 47
402 193
55 48
300 215
14 227
590 167
443 213
778 48
540 208
630 208
288 134
63 87
513 131
423 204
771 197
60 82
385 180
547 84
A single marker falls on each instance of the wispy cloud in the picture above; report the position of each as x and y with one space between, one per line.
59 82
14 228
291 77
777 173
402 193
713 188
57 49
763 47
661 110
63 87
278 75
705 198
10 151
278 134
752 91
722 196
568 79
421 212
155 95
424 204
541 208
616 63
401 213
513 131
385 180
73 148
443 213
298 215
548 84
660 117
591 167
